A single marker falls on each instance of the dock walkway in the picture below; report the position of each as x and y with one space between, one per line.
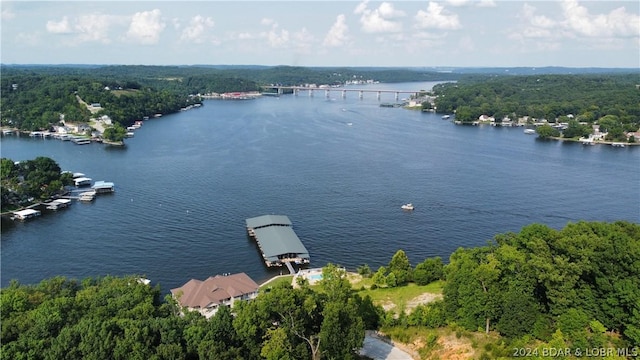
290 267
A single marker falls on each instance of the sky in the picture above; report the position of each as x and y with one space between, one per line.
450 33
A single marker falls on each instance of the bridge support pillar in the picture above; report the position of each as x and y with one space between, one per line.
360 94
397 95
326 93
310 92
344 94
378 95
295 92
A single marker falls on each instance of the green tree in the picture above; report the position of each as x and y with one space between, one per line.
342 331
115 133
428 271
547 131
400 267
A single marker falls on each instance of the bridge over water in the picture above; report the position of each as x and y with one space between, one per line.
342 90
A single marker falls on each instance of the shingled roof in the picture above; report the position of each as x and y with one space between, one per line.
214 290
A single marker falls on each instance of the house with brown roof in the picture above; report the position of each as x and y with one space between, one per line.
207 296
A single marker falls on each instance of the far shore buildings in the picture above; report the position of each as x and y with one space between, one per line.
207 296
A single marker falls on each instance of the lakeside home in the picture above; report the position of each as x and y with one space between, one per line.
207 296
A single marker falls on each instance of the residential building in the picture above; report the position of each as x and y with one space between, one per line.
207 296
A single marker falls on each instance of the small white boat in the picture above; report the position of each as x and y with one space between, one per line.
445 117
530 131
408 206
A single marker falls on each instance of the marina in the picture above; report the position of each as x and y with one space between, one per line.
278 243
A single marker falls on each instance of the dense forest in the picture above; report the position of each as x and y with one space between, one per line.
590 99
37 101
575 288
25 182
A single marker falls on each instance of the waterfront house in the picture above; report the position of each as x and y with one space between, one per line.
207 296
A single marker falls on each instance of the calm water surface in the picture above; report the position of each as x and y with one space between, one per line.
339 168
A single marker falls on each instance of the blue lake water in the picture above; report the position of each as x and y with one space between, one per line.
339 168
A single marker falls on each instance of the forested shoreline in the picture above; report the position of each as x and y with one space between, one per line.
578 102
30 181
574 288
37 97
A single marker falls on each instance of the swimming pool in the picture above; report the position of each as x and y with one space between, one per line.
315 277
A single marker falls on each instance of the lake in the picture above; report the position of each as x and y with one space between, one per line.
339 168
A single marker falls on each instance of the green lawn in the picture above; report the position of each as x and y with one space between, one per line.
402 294
284 279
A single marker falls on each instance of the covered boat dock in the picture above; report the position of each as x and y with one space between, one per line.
277 241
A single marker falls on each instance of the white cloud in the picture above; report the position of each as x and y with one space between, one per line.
276 37
267 21
575 21
303 41
7 14
361 8
145 27
245 36
486 3
380 20
93 27
616 23
337 35
436 17
478 3
195 31
458 2
59 27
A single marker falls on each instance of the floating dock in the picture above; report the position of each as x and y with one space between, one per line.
277 241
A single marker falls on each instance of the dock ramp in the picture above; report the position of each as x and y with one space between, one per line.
292 271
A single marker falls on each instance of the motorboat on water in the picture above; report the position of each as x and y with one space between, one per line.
530 131
408 206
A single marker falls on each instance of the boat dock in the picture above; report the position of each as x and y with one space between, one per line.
278 243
